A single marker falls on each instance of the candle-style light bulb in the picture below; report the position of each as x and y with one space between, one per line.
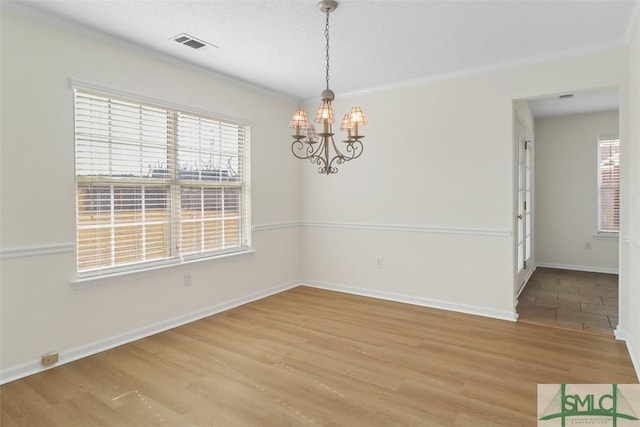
299 121
357 119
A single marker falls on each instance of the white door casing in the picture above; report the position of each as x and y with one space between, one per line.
524 207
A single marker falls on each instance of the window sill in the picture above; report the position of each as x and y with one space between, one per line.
112 278
614 236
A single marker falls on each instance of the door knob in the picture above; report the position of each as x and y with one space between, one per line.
520 216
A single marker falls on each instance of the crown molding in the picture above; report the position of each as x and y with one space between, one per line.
501 66
65 24
634 22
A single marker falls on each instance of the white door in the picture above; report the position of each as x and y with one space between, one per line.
524 206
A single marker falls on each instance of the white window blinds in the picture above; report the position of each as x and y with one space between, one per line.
608 185
156 185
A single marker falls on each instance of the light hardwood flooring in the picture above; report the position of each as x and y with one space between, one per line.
320 358
571 299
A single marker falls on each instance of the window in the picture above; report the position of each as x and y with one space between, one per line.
608 185
156 185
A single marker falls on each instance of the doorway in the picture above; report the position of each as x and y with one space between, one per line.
566 261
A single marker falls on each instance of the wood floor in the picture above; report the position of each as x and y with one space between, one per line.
571 299
314 357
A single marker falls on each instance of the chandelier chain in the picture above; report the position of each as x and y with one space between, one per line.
326 35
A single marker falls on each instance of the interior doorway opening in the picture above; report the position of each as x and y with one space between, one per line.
566 265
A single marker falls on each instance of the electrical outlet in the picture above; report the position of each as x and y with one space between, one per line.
49 359
187 279
379 263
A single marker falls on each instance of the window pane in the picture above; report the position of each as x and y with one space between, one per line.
115 225
609 185
609 214
210 219
208 149
202 210
119 139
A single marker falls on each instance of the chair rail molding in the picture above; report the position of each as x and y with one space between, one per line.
411 228
37 250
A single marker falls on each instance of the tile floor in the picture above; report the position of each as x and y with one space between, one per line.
571 299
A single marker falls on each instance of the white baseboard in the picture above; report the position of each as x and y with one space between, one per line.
623 335
579 268
420 301
69 355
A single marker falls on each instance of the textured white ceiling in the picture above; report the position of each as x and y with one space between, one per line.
279 44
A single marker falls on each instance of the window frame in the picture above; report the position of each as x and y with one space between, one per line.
173 184
600 231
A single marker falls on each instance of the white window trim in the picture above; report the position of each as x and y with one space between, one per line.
90 279
81 85
607 235
160 268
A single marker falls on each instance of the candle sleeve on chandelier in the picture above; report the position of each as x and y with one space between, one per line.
325 112
357 119
347 125
299 120
312 135
356 116
346 122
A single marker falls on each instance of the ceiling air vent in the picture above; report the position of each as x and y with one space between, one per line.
191 41
567 96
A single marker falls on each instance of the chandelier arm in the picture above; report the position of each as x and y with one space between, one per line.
319 149
305 153
299 147
328 169
336 149
339 159
320 161
355 148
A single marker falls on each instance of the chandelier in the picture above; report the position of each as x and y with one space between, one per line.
320 148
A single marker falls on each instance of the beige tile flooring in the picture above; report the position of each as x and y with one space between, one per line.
571 299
